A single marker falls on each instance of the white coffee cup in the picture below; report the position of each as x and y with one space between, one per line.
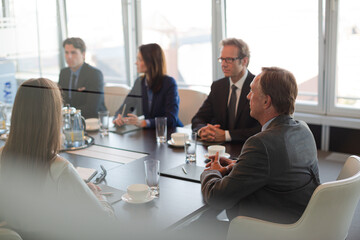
179 138
213 149
138 192
92 123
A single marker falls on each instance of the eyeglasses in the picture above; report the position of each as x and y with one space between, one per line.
227 60
102 175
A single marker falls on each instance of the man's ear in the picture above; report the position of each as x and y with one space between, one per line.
244 61
267 101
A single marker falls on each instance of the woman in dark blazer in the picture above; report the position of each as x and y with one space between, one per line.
154 94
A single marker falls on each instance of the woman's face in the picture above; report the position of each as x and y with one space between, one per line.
140 64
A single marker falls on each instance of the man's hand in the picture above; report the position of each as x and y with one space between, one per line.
212 133
222 164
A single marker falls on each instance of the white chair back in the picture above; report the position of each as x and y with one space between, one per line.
190 102
8 234
328 215
114 96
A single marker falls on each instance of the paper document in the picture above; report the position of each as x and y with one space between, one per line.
86 173
113 195
109 154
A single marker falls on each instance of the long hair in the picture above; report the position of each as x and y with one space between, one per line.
34 138
154 59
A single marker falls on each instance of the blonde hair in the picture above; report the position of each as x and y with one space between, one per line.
34 138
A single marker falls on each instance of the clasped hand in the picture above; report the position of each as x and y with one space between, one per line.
212 133
222 164
131 119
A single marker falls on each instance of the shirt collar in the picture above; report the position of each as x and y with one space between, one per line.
265 126
239 83
77 72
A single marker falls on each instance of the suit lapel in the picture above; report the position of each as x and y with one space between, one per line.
144 98
82 77
224 102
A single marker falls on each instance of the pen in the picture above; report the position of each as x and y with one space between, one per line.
106 193
184 170
123 110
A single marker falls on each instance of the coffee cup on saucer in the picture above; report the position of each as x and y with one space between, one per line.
213 149
138 192
179 138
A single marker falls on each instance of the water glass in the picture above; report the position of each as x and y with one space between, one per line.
104 122
152 175
190 148
161 129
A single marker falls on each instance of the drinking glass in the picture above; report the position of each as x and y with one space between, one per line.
161 129
104 122
190 148
152 175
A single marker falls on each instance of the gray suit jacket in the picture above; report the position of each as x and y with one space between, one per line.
90 100
274 177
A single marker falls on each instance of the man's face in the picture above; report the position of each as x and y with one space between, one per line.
257 99
233 69
74 57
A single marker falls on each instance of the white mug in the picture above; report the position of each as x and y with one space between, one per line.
179 138
138 192
213 149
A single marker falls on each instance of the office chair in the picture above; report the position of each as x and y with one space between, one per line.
114 96
190 102
327 217
8 234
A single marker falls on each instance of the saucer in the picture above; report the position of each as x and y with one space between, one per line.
125 197
224 155
171 143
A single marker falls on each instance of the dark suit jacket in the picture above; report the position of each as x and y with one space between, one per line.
91 100
214 110
274 177
165 103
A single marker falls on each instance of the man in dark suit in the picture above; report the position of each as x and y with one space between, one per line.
82 84
225 114
277 170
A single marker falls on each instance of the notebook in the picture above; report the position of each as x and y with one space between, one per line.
123 129
192 174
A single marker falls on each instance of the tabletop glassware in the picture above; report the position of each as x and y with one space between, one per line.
104 122
152 175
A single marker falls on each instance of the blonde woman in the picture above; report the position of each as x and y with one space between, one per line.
42 196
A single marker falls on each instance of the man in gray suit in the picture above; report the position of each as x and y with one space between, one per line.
277 170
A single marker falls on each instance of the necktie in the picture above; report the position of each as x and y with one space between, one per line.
231 108
72 84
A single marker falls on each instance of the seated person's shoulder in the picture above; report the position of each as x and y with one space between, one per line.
169 80
60 166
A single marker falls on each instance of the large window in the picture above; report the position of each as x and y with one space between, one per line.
183 30
100 25
347 88
280 33
29 35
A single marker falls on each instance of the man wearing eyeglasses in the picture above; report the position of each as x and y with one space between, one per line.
225 114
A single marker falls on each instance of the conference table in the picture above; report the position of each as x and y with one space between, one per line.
179 201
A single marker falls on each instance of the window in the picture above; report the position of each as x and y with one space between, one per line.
30 36
183 30
280 33
347 74
100 26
